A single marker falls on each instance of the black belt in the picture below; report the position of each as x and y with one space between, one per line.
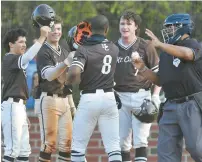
14 99
182 99
146 89
94 91
59 95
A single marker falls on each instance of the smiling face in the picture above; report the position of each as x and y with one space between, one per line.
127 28
54 36
19 47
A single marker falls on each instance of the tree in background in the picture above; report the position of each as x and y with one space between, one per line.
15 14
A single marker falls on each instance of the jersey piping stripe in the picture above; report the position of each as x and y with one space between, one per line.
125 47
11 129
155 68
44 70
56 51
78 62
78 66
44 137
20 62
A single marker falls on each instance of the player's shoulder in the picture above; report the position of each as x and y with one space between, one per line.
65 51
113 44
193 43
114 47
44 50
10 57
143 42
82 49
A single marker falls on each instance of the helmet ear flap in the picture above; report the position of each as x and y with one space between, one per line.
71 38
78 34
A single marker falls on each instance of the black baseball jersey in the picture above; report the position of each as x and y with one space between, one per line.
14 77
67 90
97 61
125 78
179 77
48 57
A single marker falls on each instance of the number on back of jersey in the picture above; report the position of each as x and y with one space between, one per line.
106 68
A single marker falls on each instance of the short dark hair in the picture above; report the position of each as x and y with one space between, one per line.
58 20
12 36
99 24
130 15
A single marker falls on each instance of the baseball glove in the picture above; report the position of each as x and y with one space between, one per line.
118 100
147 112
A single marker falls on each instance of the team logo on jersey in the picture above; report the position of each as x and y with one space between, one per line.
176 62
105 47
123 59
127 58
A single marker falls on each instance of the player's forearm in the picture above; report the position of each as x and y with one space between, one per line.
157 90
150 75
177 51
71 101
73 75
53 73
31 53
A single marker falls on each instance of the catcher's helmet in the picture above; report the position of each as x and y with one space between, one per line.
77 35
175 26
43 15
147 112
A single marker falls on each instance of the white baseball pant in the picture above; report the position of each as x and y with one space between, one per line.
93 108
129 124
15 129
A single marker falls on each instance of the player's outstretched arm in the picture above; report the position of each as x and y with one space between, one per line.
54 72
150 75
34 49
73 75
177 51
139 64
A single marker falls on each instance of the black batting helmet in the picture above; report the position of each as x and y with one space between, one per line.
147 112
77 34
43 15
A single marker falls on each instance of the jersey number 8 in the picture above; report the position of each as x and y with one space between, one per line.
106 64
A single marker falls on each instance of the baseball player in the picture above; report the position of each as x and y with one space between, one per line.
132 87
180 74
53 110
75 38
94 66
15 92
